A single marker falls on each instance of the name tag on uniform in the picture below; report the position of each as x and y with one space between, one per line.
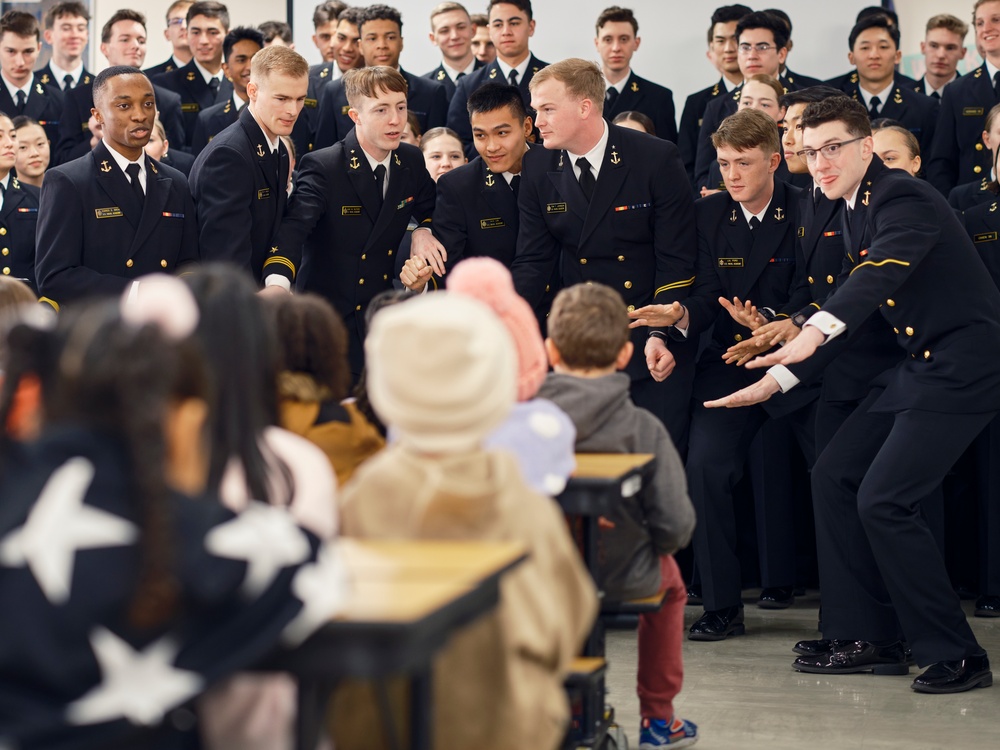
973 111
168 215
345 109
350 210
112 212
730 262
494 223
555 208
311 103
984 237
35 211
404 203
263 193
190 107
801 232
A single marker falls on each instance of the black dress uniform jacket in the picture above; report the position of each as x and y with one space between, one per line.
458 113
47 77
74 130
44 104
164 67
304 133
195 95
18 217
440 75
653 100
426 99
846 81
691 118
958 154
963 197
982 222
94 238
211 122
240 188
916 112
344 235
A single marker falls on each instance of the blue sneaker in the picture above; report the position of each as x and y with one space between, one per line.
655 733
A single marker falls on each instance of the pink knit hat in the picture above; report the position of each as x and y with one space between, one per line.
489 281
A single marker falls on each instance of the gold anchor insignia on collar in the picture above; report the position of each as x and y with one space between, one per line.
634 87
105 167
715 90
854 77
152 166
14 183
355 163
732 219
977 74
561 153
779 214
86 80
441 75
260 151
493 73
534 69
324 73
45 78
274 249
898 98
190 75
229 106
490 182
395 157
615 159
867 195
39 89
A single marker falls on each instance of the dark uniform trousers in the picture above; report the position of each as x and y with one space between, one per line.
636 235
18 218
93 235
879 559
958 154
735 261
344 233
240 188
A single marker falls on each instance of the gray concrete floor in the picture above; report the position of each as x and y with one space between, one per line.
743 694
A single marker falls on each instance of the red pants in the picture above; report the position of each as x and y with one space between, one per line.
661 633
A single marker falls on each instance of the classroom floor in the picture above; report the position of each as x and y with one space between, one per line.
743 694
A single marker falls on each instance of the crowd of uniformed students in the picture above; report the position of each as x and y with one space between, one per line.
834 231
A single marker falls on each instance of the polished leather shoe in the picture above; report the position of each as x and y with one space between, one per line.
850 657
817 648
988 606
955 676
694 596
717 625
776 597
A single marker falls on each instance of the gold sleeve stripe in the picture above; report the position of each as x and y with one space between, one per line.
814 304
282 261
426 221
55 305
675 285
781 315
879 263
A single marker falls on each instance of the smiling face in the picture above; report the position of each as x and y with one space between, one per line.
381 42
616 42
500 139
452 32
127 44
32 151
987 23
560 116
839 175
237 67
510 31
379 122
126 109
205 37
276 101
68 37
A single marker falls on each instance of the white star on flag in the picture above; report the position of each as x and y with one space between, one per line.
266 538
323 589
141 686
58 525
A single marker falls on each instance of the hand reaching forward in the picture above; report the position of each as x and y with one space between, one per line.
743 313
757 393
657 316
803 347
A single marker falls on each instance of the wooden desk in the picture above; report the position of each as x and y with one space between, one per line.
406 599
601 479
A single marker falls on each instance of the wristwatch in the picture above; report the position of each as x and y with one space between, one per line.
799 319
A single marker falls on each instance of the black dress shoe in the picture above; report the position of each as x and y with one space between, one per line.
988 606
776 597
850 657
694 596
955 676
817 648
718 625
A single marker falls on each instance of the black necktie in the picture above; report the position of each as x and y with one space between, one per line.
996 84
515 184
848 242
20 101
512 77
935 95
67 82
754 223
213 84
873 107
817 194
459 77
587 181
610 98
132 170
380 182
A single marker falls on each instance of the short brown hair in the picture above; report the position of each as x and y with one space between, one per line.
948 22
634 115
588 325
370 82
440 8
479 19
746 130
328 11
848 111
774 83
209 9
909 140
121 15
277 59
615 14
19 24
583 79
63 10
185 4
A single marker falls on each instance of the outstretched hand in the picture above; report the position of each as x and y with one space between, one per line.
803 347
741 353
658 316
743 313
757 393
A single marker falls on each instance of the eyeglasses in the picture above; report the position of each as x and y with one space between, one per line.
830 151
761 47
176 22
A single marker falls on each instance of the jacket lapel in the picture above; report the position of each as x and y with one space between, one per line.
114 182
157 191
614 172
734 259
629 98
13 198
359 172
895 108
765 240
398 176
498 195
568 186
816 220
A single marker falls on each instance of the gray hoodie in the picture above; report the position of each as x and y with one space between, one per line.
659 519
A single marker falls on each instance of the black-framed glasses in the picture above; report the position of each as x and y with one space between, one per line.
761 47
829 151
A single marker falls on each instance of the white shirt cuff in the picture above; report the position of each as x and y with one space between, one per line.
276 279
786 380
829 325
682 331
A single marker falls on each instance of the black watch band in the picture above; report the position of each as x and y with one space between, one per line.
799 319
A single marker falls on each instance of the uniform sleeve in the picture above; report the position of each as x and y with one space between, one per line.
224 213
674 238
703 302
307 205
666 128
942 168
74 137
200 138
704 151
458 117
169 112
425 197
326 120
190 252
450 226
437 113
687 135
537 248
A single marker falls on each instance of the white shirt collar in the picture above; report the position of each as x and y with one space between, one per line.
760 216
12 89
5 181
620 85
177 63
206 75
521 69
373 163
59 74
991 69
238 102
335 72
595 156
273 144
883 95
453 74
122 162
729 85
854 197
928 90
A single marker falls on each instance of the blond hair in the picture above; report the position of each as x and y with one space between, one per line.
582 78
748 129
370 82
278 59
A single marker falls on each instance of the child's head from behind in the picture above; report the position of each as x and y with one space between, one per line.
588 331
441 370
